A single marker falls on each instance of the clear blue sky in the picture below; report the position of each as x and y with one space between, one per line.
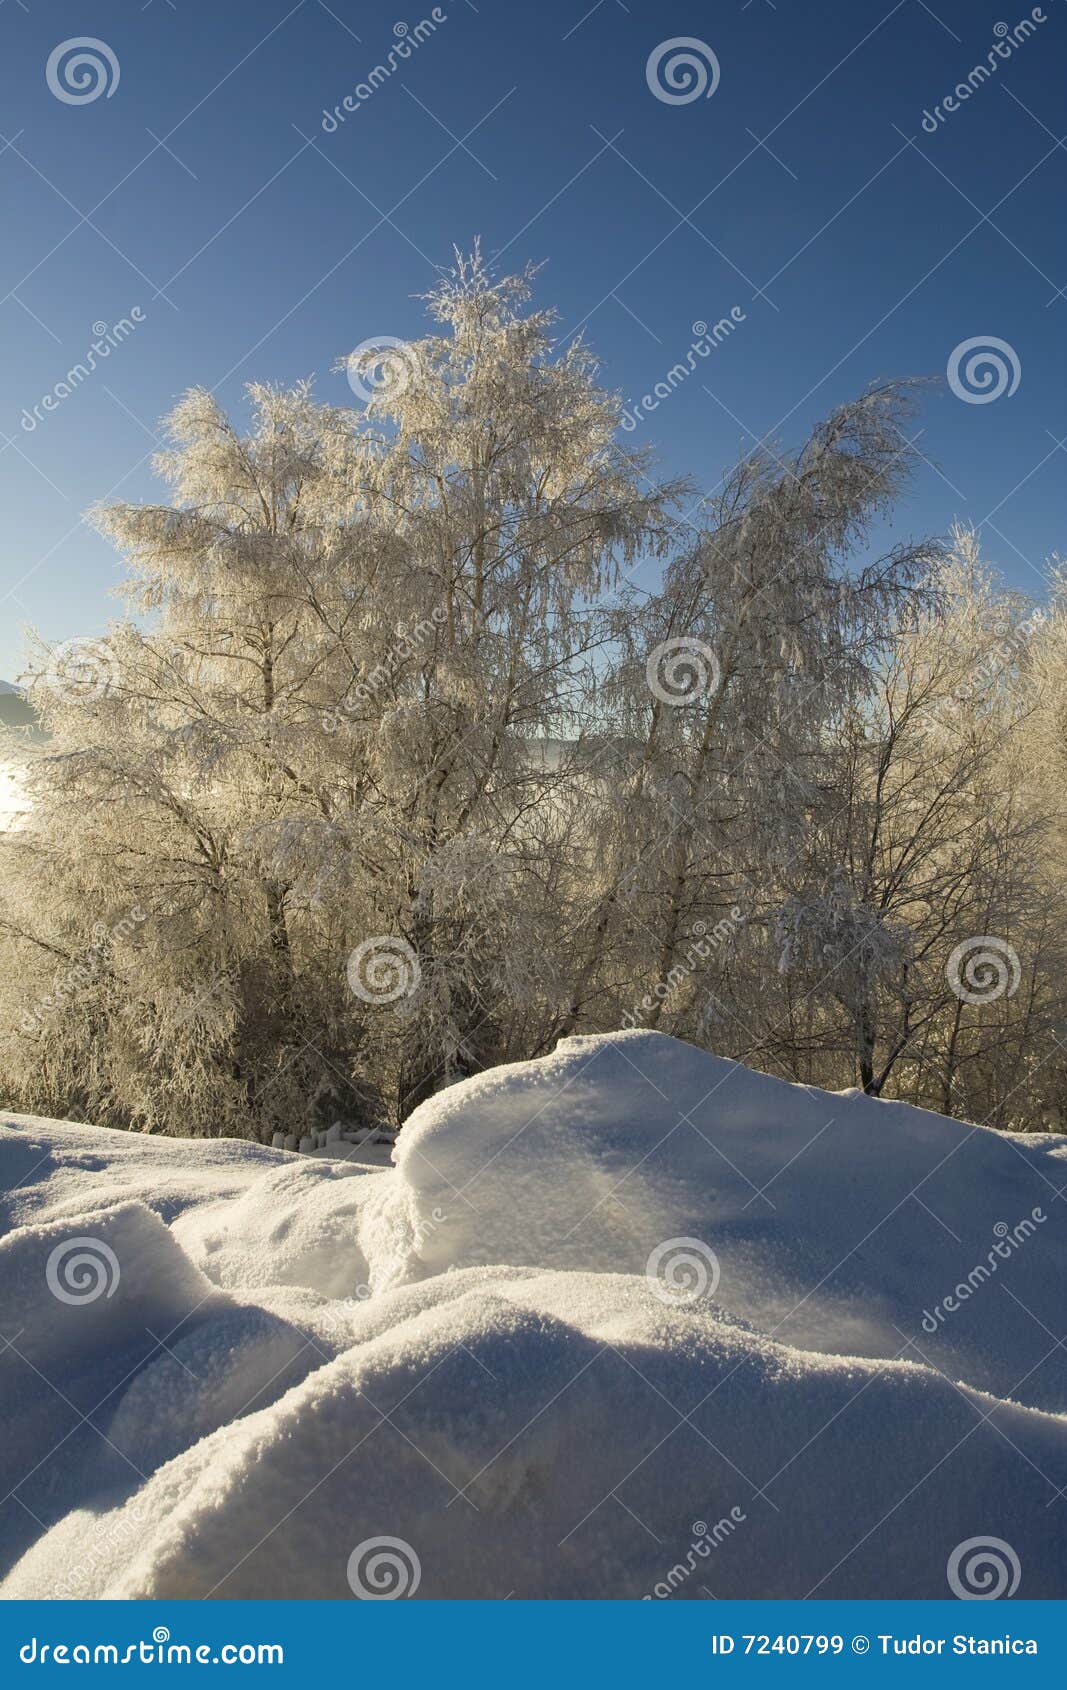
205 192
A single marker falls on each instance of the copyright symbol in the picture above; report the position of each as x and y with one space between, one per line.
860 1644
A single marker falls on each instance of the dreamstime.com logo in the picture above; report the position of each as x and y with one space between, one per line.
80 671
377 680
705 341
982 969
982 1569
705 1539
407 40
682 670
383 969
1008 644
682 70
82 1270
1008 1240
363 1293
382 367
108 337
82 69
982 369
700 946
682 1270
156 1651
382 1569
1005 44
101 1551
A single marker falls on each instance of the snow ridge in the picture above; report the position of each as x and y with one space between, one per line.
601 1305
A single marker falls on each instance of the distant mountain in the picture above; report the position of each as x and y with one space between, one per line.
16 711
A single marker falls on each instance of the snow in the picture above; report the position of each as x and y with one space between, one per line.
471 1349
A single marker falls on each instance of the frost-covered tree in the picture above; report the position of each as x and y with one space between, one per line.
498 470
323 757
730 678
926 848
388 776
183 754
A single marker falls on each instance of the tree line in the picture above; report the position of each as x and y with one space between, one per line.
390 773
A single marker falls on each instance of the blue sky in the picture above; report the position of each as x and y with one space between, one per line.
805 192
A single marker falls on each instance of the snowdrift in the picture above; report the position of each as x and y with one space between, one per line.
627 1321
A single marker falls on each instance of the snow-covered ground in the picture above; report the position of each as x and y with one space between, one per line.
627 1320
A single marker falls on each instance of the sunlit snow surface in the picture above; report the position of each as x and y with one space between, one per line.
601 1302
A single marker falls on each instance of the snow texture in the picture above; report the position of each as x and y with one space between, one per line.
484 1350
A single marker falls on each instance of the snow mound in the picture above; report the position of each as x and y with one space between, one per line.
836 1221
84 1320
296 1225
627 1320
